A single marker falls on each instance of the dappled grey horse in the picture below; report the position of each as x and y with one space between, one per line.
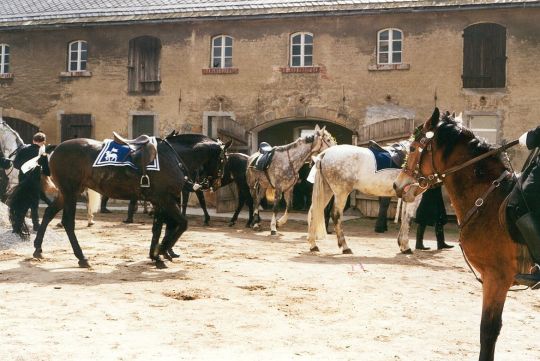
282 173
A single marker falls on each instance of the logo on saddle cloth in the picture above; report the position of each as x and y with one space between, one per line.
120 155
387 157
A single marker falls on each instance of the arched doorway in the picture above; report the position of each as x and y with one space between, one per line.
25 129
287 132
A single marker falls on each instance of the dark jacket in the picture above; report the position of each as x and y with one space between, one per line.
431 209
25 154
4 162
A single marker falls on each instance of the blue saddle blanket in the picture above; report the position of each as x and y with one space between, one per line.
383 159
119 155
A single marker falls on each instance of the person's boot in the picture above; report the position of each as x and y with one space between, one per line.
420 238
103 208
439 234
529 227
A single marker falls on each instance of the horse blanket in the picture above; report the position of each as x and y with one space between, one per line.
119 155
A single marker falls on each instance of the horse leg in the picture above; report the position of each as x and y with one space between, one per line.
202 202
249 201
176 226
275 210
68 220
327 214
132 208
241 202
157 226
337 215
56 205
403 235
495 288
288 201
185 199
381 225
257 193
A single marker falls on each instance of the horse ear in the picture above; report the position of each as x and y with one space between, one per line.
317 128
323 128
434 118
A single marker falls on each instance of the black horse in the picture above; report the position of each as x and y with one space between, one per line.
71 170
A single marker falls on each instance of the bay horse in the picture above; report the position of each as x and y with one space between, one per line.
72 171
477 182
282 174
338 171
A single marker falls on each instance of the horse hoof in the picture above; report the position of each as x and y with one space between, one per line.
90 224
172 254
379 230
160 264
347 251
314 249
206 224
38 254
83 263
128 221
407 251
273 233
231 224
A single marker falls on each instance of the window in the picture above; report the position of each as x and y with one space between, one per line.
389 46
485 126
484 56
143 65
4 59
77 55
301 49
222 51
142 124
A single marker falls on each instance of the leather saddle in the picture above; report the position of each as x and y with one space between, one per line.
263 161
396 152
143 152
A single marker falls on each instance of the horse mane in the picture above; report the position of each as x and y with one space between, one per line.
449 133
190 138
307 139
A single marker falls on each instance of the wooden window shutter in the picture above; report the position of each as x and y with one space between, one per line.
143 65
484 56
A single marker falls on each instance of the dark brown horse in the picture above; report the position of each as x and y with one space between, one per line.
71 170
440 151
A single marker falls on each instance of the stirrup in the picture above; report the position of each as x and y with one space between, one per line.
145 181
531 280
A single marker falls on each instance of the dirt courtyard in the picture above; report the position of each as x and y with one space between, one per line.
239 295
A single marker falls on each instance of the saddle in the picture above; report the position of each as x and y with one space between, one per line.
263 161
142 152
395 153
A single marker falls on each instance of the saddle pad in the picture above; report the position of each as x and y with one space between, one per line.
383 159
116 154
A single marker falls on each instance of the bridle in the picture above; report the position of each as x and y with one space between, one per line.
425 142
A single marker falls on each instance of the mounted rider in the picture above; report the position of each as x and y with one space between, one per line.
529 224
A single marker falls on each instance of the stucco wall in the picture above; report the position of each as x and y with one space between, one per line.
344 92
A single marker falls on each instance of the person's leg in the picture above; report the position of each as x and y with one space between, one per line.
420 237
439 233
104 200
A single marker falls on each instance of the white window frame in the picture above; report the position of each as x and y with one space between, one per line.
391 50
4 65
222 57
302 54
78 62
494 130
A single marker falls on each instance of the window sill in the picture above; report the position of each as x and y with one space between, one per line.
7 76
385 67
209 71
75 74
484 91
300 69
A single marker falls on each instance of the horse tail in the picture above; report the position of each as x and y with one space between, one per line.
94 200
21 198
320 188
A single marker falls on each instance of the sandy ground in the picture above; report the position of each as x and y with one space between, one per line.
239 295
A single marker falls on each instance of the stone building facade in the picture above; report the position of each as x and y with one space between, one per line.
346 77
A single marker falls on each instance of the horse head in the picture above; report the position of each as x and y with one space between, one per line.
322 139
436 146
10 140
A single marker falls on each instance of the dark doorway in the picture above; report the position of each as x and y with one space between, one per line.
76 126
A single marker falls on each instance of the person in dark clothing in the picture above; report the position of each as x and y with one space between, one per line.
5 163
25 161
431 212
529 224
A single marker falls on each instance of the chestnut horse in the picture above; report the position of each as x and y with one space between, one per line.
477 182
